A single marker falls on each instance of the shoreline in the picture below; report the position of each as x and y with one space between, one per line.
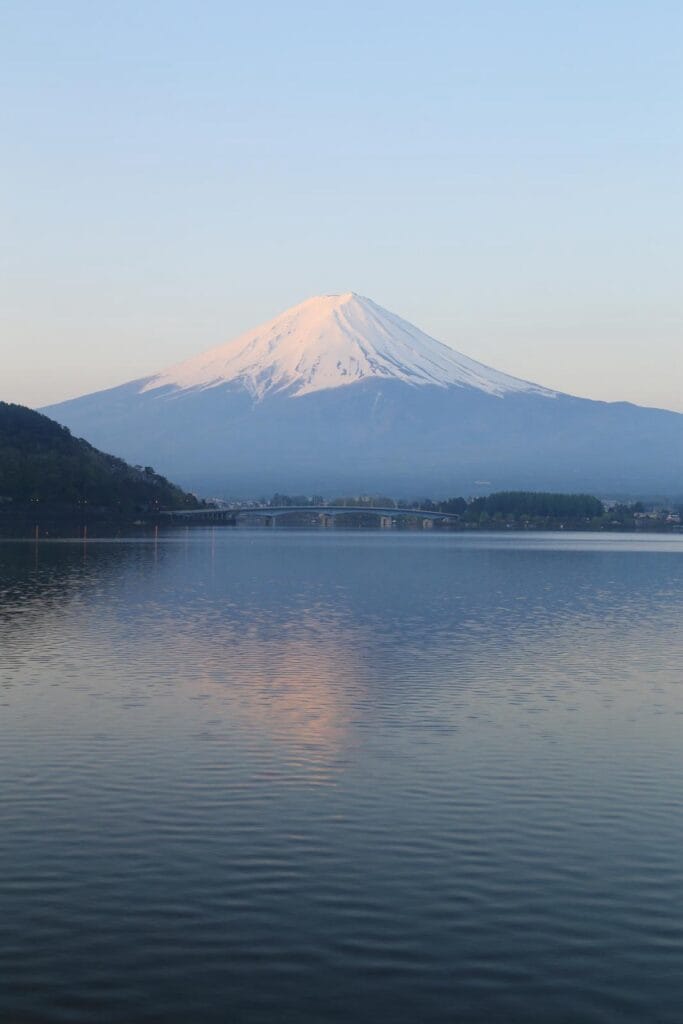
101 529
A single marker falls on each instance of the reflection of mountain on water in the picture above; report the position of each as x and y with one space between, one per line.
299 639
300 691
176 622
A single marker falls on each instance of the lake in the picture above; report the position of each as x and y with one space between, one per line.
342 776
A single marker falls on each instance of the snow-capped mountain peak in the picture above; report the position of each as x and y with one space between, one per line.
332 341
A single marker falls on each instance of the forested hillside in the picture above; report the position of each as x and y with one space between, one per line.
41 462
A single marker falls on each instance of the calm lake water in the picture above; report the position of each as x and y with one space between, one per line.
328 776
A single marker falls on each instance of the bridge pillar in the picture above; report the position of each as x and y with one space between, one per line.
386 522
270 520
427 524
326 520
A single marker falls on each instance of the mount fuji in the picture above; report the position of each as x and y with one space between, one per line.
338 394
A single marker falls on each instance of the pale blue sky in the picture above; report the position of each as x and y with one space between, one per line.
505 174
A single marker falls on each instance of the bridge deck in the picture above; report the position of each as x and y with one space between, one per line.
331 511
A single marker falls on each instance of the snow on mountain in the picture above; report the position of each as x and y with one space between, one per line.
339 396
331 341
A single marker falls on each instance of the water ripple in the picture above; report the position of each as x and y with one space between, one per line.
288 776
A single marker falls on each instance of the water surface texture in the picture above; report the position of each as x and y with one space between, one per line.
328 776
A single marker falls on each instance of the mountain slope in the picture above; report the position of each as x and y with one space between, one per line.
338 394
41 462
333 341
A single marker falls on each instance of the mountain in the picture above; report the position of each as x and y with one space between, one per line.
333 341
41 463
338 393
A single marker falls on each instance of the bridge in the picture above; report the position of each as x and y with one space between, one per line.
325 514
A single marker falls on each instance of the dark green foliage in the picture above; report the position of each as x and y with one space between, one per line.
40 462
535 504
505 510
538 508
453 506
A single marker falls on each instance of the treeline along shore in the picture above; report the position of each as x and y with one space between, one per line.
514 510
